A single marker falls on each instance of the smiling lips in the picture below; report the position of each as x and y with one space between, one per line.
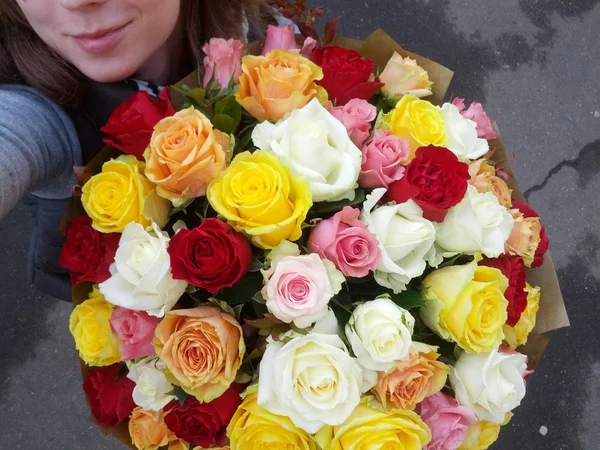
102 40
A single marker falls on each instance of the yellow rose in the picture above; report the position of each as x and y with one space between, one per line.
258 195
372 427
466 304
483 434
254 428
412 379
525 237
202 348
277 83
148 430
90 326
517 335
185 154
404 76
418 122
121 194
483 177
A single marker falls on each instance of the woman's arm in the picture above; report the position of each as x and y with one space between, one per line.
38 147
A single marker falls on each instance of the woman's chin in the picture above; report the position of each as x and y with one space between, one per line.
107 71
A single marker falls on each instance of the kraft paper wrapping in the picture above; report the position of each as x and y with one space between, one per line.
379 47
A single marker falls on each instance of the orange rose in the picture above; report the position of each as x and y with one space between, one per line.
483 177
279 82
525 237
185 154
202 348
148 430
412 379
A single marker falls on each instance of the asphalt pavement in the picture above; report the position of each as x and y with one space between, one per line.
535 66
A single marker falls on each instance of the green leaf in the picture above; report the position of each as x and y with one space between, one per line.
122 371
182 207
257 265
323 208
241 292
258 298
342 312
230 107
180 394
408 299
224 123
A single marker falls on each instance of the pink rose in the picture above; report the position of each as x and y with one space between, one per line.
344 240
477 115
223 61
356 115
447 420
382 159
298 287
282 37
135 329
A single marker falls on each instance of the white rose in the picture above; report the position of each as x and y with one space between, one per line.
380 333
405 239
152 388
491 384
310 379
141 274
314 144
462 135
477 224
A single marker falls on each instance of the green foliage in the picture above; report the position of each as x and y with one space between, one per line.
243 290
408 299
329 208
180 394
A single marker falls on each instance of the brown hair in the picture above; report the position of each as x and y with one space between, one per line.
25 58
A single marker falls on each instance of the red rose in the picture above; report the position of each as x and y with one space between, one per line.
87 253
345 74
212 256
513 268
542 248
204 424
435 179
110 396
130 126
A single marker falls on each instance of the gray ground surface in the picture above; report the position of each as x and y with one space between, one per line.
535 65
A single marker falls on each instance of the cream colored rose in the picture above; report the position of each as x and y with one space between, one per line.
404 76
524 237
484 178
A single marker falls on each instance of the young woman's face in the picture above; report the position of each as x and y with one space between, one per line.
107 40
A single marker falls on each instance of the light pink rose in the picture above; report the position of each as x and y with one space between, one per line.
476 113
344 240
447 420
282 37
356 115
135 329
223 61
382 159
298 288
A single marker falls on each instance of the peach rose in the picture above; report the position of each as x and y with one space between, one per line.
404 76
202 348
525 237
277 83
483 177
412 379
148 430
185 154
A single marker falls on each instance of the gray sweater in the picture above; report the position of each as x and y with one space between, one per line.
38 148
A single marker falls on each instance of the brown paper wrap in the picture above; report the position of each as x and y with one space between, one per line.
379 47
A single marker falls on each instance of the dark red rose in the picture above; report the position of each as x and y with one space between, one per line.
542 248
110 396
212 256
203 424
513 268
130 126
345 74
87 253
435 179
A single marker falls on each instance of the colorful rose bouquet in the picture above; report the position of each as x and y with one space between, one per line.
303 253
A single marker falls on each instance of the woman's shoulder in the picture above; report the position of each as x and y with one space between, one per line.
25 97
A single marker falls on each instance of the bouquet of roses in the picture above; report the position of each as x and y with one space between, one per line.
302 254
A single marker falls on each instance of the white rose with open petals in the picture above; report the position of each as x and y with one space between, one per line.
462 135
477 224
405 239
141 274
490 384
152 389
310 379
380 333
314 144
